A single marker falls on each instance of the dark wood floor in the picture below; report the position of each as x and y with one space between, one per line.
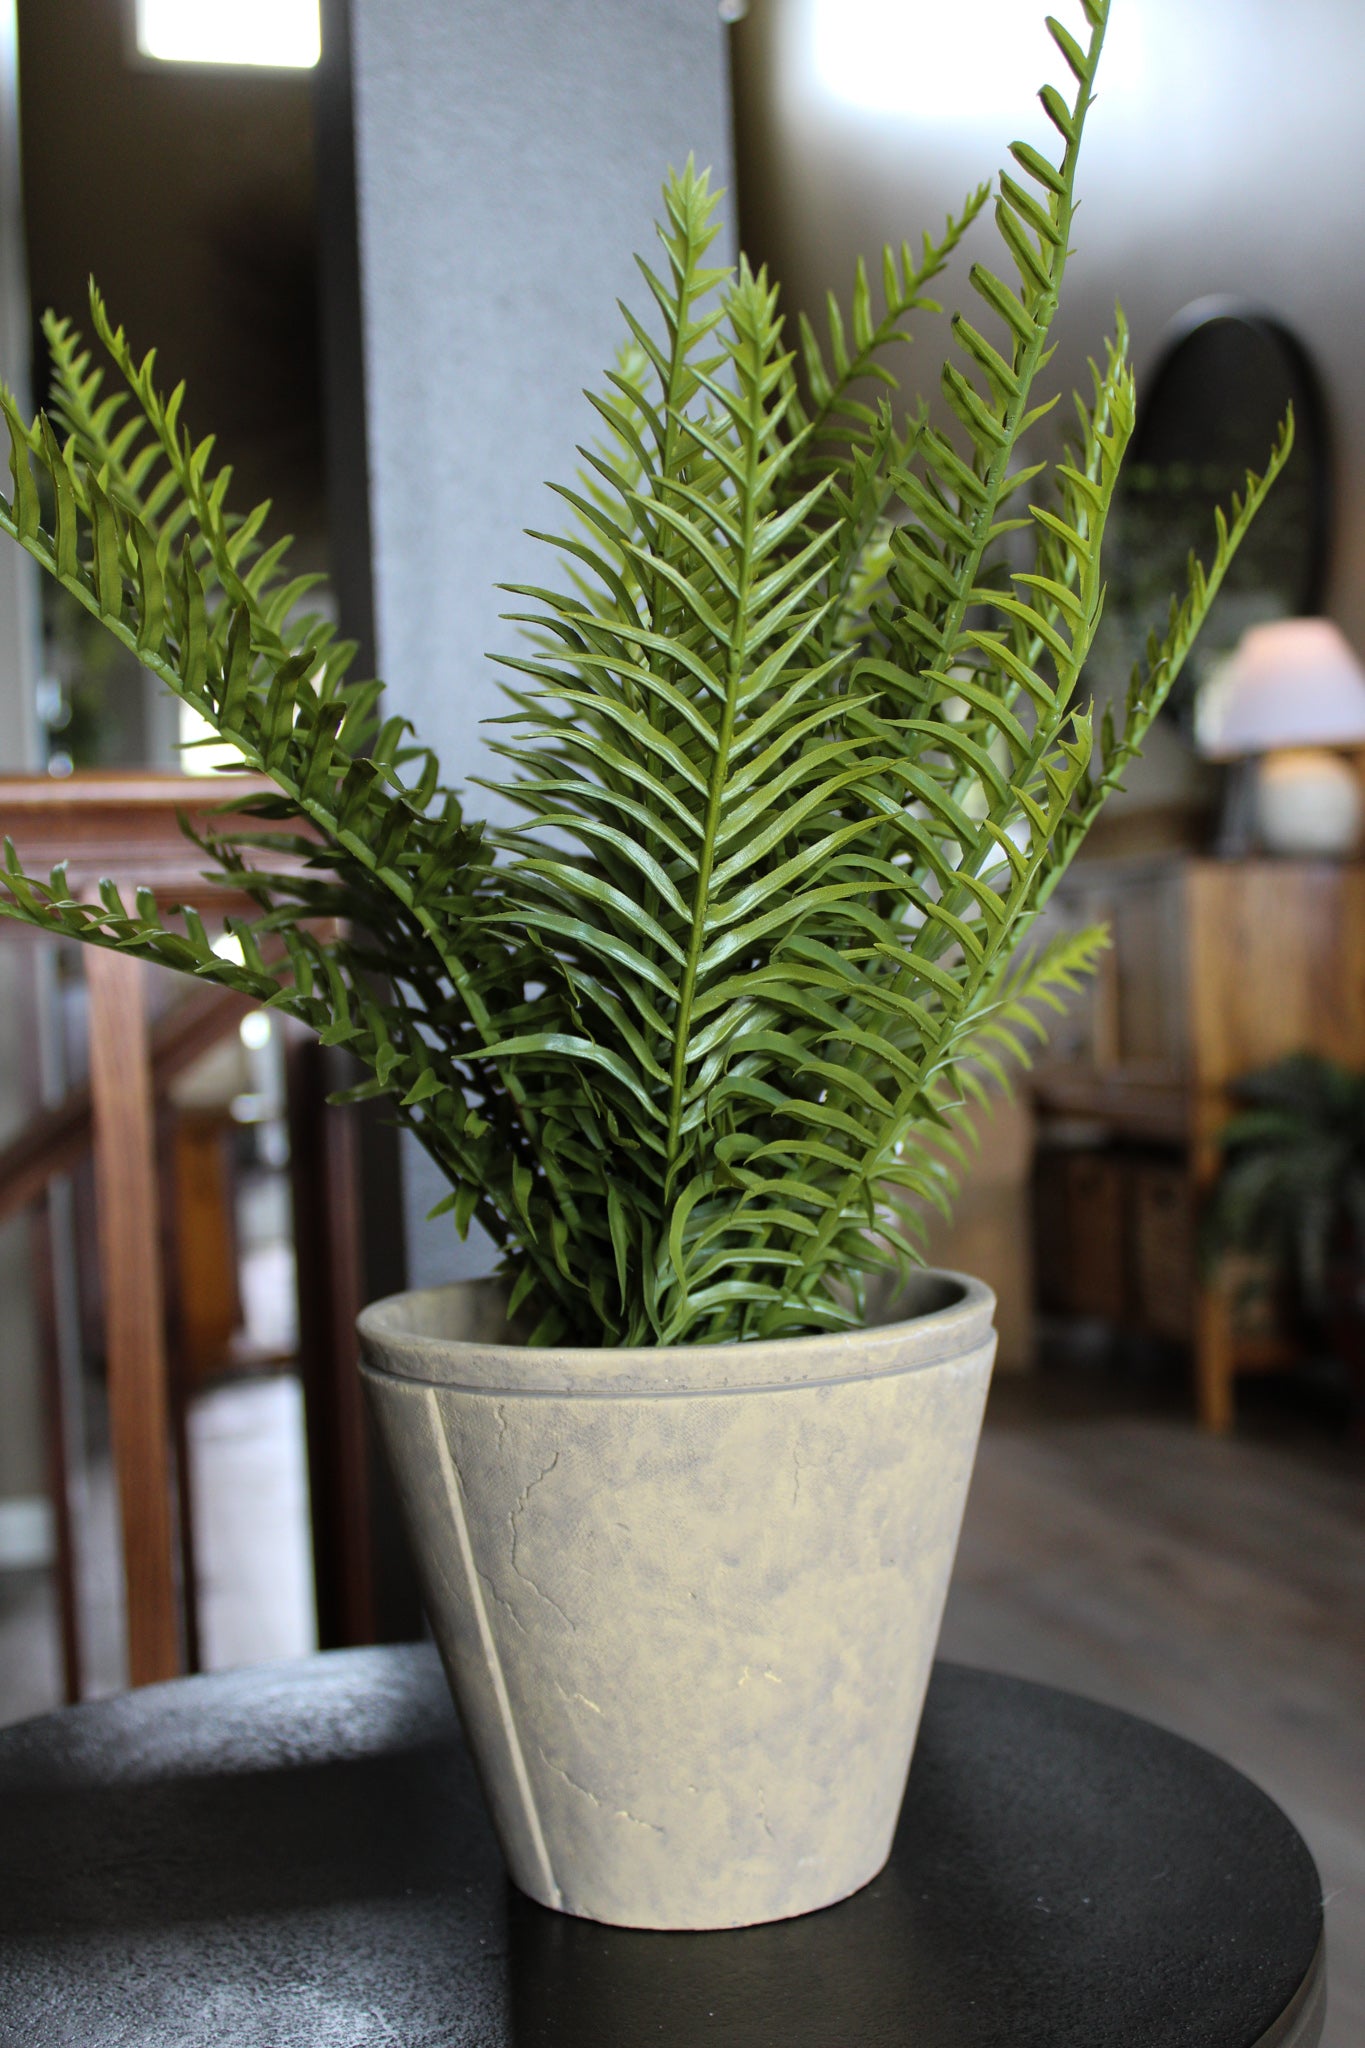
1215 1585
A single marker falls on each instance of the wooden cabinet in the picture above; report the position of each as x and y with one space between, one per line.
1216 967
1164 1252
1081 1233
1115 1236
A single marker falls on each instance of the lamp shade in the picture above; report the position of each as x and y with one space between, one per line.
1295 683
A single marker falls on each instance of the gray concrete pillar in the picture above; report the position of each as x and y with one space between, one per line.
508 163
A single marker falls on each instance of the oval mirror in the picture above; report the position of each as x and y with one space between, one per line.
1210 411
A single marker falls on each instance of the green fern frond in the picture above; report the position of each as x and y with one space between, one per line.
798 735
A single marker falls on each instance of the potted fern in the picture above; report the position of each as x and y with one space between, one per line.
801 749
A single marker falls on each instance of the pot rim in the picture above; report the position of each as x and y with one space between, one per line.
402 1338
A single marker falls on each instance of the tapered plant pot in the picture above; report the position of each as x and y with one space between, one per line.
687 1599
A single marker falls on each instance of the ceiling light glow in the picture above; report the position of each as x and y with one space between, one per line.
281 33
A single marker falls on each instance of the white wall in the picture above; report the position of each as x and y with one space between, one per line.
1225 153
508 162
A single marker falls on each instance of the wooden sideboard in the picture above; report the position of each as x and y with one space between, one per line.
1216 967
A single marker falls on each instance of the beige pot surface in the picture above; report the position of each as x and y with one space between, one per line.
687 1599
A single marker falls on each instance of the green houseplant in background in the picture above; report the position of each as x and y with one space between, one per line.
1290 1195
801 745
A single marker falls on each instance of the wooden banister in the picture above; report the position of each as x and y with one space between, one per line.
55 1140
127 827
123 824
134 1310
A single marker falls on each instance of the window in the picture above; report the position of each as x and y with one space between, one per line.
283 33
974 60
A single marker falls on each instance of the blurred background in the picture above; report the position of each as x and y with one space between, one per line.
1167 1512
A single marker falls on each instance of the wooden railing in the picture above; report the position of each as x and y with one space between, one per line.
127 827
57 1139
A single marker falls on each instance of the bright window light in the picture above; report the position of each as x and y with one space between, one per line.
275 32
254 1030
202 752
973 60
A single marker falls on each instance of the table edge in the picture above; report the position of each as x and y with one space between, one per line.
1301 2023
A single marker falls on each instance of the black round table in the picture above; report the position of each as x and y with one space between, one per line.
299 1855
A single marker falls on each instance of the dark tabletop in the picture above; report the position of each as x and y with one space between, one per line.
299 1855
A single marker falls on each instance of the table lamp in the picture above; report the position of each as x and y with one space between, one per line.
1291 695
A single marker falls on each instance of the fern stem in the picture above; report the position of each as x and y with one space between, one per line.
720 765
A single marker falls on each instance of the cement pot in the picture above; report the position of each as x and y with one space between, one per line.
687 1599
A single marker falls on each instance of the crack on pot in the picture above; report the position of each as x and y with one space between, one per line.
616 1812
763 1814
582 1697
573 1783
513 1516
623 1813
498 1599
